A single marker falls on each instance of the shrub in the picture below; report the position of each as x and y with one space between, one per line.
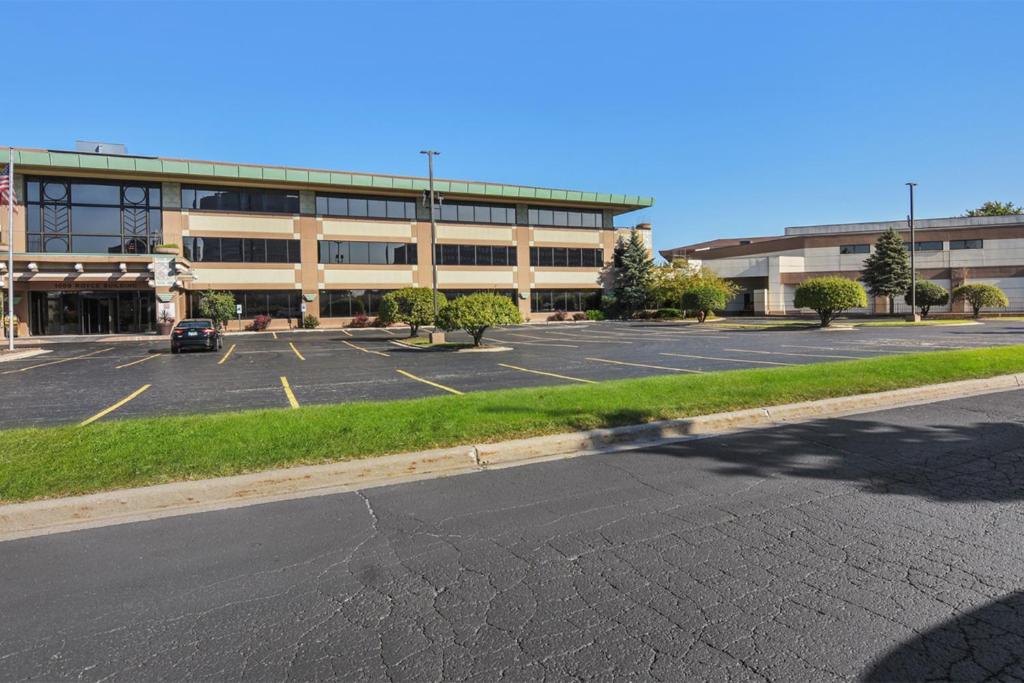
610 306
413 306
594 314
579 316
928 294
476 312
260 323
310 322
642 315
558 316
707 296
829 296
668 313
218 306
377 322
981 296
359 320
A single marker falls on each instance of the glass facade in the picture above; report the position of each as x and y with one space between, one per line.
373 253
548 300
855 249
564 217
241 250
474 255
466 212
566 257
345 303
280 303
356 206
91 312
64 216
239 199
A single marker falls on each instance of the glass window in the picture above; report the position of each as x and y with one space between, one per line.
356 207
855 249
231 250
378 208
359 252
277 251
378 253
483 255
966 244
449 213
96 244
88 193
499 255
467 255
575 257
396 209
928 246
546 300
255 250
565 217
449 254
559 258
96 220
134 195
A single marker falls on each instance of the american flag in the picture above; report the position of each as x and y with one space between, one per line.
7 188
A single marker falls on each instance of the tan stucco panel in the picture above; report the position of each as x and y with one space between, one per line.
367 230
475 233
476 277
564 237
544 278
368 278
236 276
278 225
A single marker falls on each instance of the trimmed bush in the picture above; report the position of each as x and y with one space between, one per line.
310 322
413 306
476 312
706 297
558 316
594 314
579 316
981 296
260 323
668 313
928 294
360 320
829 296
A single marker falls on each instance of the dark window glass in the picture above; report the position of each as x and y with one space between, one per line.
133 194
359 252
96 244
483 255
212 248
559 258
231 250
322 205
499 256
544 256
464 212
467 255
366 207
564 217
396 209
240 199
966 244
547 300
87 193
449 213
378 253
255 251
855 249
356 207
575 257
96 220
277 251
32 191
450 254
377 208
928 246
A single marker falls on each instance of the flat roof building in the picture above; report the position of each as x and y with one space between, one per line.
949 252
107 243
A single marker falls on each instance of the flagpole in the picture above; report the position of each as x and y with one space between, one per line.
10 249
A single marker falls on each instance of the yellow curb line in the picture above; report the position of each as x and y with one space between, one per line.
225 356
433 384
644 365
115 406
289 393
549 374
136 362
301 357
60 360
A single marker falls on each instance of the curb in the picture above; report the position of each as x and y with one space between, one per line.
23 353
36 518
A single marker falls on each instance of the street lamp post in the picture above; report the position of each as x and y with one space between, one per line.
913 251
435 336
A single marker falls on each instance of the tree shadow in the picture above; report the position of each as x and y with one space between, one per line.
981 645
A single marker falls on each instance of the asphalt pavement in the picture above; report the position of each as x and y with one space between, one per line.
78 381
885 546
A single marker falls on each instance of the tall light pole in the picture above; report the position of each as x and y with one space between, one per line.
433 227
913 250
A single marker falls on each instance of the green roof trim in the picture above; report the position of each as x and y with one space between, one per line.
200 170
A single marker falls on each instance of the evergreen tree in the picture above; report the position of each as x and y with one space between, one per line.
634 273
887 268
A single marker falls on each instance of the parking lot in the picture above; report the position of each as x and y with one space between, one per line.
84 382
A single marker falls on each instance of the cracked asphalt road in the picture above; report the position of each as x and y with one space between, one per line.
885 546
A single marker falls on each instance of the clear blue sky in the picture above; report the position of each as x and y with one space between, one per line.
740 118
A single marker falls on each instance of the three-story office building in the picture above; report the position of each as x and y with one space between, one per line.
110 243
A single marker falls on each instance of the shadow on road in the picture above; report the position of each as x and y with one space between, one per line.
986 644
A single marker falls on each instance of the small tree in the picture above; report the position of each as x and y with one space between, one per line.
928 294
634 270
476 312
829 297
413 306
707 295
887 268
981 296
218 306
670 281
995 209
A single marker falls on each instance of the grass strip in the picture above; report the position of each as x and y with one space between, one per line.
59 461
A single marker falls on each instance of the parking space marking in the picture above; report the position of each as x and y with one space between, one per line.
645 365
594 339
59 360
346 332
114 407
548 374
136 362
301 357
275 334
799 355
427 381
360 348
516 341
289 393
728 360
225 356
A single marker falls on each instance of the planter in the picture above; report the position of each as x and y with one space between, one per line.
164 329
173 251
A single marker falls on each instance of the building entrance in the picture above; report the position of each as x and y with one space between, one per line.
91 312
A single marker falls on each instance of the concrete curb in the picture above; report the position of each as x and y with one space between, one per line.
23 353
20 520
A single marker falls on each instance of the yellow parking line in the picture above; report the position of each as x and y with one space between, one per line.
549 374
360 348
115 406
301 357
136 362
798 355
427 381
225 356
645 365
61 360
728 360
289 393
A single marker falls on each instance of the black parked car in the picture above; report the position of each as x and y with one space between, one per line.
196 333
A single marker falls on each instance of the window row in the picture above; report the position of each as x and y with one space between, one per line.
466 212
346 303
931 245
374 253
242 250
568 218
566 257
855 249
365 207
474 255
239 199
95 192
547 300
279 303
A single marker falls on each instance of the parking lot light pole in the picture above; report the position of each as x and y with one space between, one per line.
435 336
913 250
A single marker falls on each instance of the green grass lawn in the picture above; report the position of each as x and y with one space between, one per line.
57 461
424 342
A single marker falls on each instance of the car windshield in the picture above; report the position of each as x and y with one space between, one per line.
194 324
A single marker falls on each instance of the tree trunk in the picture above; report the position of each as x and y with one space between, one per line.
701 315
413 329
